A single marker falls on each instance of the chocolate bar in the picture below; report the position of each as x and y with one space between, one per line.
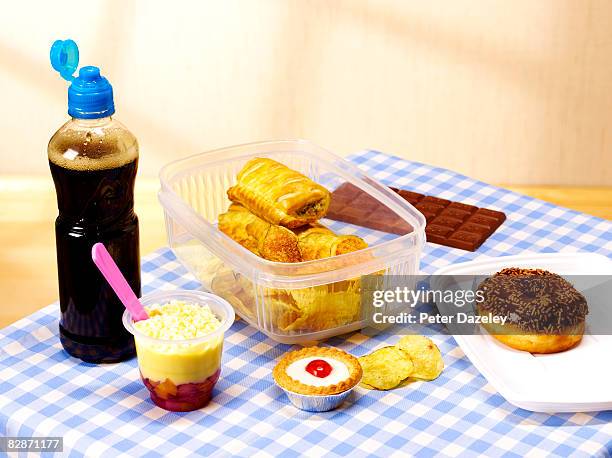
449 223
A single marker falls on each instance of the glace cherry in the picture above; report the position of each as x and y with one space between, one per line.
319 368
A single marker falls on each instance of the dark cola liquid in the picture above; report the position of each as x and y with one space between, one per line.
95 206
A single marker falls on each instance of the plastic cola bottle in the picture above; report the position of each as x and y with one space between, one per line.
93 160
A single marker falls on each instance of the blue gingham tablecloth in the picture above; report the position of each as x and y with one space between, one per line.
105 410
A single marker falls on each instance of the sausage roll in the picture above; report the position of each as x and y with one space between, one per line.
269 241
278 194
317 242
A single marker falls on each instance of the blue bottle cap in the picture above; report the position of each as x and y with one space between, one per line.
65 58
90 96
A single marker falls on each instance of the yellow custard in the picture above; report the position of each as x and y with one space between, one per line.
162 356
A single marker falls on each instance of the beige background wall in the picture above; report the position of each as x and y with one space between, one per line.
515 91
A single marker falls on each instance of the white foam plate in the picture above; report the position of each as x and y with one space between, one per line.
577 380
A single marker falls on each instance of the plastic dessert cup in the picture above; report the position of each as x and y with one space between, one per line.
181 374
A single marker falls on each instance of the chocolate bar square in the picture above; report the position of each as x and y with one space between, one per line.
453 224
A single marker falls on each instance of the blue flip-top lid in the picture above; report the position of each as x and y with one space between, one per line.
90 95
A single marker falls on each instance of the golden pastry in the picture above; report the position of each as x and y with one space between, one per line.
269 241
316 242
279 194
277 243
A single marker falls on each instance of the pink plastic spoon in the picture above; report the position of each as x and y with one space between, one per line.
115 278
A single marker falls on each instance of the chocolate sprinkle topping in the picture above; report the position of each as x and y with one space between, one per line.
534 300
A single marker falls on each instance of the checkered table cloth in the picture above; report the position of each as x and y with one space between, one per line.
105 410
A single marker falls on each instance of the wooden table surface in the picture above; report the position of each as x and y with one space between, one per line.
28 210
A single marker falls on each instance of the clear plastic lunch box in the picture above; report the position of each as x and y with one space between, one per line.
290 302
